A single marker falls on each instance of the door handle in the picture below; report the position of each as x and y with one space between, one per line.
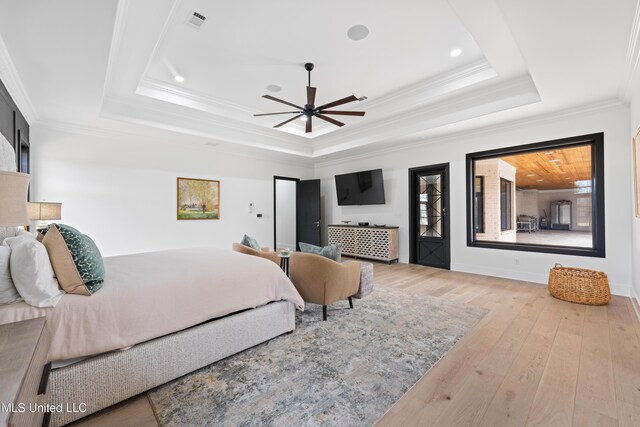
317 223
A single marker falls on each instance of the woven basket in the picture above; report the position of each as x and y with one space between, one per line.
579 285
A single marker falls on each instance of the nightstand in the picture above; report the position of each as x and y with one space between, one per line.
284 262
24 373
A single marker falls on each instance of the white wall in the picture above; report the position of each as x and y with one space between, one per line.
613 121
286 213
527 203
122 191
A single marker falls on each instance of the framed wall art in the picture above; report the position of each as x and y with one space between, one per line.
198 199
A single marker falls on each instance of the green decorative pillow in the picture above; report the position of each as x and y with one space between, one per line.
251 242
75 259
332 251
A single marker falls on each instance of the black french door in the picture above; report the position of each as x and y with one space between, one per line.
308 211
429 216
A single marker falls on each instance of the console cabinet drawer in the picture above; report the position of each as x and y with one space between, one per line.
24 370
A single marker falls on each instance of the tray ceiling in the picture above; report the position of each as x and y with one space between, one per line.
112 65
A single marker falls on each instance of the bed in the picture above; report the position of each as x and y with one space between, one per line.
159 316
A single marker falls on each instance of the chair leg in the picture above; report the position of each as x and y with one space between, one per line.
350 302
324 312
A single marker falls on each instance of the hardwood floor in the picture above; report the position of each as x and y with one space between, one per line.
531 361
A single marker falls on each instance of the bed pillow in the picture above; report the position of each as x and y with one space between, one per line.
250 242
8 292
32 273
75 258
332 252
6 232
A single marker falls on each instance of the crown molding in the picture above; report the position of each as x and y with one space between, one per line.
632 61
435 86
122 13
486 100
85 130
13 83
127 136
161 90
149 112
557 116
405 99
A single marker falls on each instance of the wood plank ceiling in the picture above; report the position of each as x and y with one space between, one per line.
552 169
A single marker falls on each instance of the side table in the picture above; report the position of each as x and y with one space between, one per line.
284 262
24 372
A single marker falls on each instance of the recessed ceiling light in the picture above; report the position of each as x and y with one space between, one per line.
549 152
358 32
531 174
178 78
274 88
554 160
455 52
539 180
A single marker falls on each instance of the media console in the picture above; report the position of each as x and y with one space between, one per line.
379 243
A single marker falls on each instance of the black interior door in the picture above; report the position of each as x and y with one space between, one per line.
429 219
308 211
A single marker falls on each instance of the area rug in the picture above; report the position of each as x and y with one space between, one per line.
347 371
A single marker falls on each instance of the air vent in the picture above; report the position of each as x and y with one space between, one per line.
195 20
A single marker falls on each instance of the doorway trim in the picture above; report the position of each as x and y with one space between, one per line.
413 200
283 178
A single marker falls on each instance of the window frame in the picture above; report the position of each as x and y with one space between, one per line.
506 214
596 140
479 195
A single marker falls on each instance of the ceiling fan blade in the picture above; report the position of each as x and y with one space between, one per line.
329 119
273 114
338 102
311 95
287 121
273 98
307 128
344 113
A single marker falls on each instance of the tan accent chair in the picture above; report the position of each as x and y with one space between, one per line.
320 280
264 253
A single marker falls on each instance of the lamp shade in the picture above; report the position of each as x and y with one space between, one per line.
44 211
13 199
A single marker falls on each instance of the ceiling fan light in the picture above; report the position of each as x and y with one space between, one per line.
304 118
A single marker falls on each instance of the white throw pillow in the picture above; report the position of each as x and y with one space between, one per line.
8 292
32 273
6 232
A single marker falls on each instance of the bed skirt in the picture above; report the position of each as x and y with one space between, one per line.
110 378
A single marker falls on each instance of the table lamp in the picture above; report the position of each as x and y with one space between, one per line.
44 211
13 199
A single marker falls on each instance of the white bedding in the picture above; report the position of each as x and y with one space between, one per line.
149 295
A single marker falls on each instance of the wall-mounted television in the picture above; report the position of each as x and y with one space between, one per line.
360 188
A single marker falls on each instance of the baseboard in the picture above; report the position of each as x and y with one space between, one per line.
500 272
635 302
616 288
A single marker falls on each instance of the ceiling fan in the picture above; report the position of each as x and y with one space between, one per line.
310 110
